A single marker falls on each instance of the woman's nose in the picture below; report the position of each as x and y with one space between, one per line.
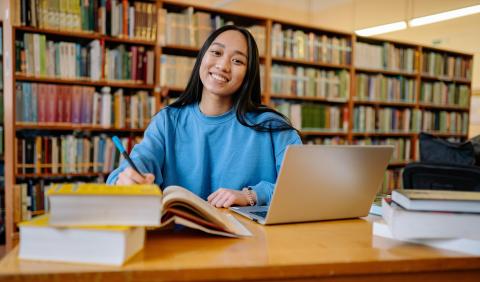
223 65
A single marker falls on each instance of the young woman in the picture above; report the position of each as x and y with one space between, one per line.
216 140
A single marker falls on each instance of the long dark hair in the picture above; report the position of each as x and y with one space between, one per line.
248 96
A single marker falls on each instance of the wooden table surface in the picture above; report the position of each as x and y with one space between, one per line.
342 250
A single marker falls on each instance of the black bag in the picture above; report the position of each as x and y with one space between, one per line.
441 177
438 150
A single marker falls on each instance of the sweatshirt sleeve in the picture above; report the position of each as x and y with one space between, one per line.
264 189
149 154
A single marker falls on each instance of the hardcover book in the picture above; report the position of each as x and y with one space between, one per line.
137 205
437 200
110 245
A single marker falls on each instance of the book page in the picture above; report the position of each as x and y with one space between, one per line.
178 197
241 230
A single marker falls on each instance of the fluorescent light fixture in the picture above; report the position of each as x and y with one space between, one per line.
381 29
445 16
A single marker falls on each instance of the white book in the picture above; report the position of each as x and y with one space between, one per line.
92 245
106 117
464 245
408 224
96 60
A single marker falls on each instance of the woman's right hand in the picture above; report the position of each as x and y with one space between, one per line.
130 176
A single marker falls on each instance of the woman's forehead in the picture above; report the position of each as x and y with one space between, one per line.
231 39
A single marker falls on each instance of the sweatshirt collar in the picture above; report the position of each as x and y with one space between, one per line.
213 119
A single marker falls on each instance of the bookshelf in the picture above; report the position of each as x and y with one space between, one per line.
81 74
337 88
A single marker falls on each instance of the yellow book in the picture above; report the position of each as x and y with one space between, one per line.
111 245
137 205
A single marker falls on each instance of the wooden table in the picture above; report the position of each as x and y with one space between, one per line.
343 250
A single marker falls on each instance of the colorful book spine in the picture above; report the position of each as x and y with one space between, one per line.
51 104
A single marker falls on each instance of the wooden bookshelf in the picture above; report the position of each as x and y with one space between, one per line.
85 81
386 72
74 127
347 44
311 99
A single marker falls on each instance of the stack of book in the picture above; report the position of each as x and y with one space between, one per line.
104 224
442 219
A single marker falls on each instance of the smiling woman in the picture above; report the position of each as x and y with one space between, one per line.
217 138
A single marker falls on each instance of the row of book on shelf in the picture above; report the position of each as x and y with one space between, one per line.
402 90
313 116
446 65
447 219
67 154
39 103
310 82
385 56
309 46
37 56
113 17
72 223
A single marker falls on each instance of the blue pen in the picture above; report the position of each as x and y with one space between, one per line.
122 150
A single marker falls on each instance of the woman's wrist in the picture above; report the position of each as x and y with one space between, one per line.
250 195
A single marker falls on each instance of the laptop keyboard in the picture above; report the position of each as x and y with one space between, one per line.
259 213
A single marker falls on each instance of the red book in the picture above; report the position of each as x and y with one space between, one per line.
67 104
42 91
51 104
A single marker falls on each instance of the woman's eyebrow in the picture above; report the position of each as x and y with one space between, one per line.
236 51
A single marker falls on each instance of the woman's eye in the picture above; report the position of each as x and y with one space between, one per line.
215 52
238 62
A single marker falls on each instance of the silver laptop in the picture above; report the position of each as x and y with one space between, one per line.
318 182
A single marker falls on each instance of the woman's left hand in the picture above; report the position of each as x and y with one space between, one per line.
224 198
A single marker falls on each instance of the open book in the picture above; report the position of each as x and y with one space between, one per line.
137 205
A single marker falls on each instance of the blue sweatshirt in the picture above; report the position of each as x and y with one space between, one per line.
182 146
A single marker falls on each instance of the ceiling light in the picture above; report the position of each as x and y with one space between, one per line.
382 29
445 16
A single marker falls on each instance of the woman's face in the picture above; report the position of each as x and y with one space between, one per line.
224 64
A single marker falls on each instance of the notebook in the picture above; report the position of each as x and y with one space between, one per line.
322 182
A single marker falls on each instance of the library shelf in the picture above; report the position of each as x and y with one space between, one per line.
84 81
62 33
308 63
384 103
306 98
126 40
384 134
59 175
443 107
73 127
322 133
445 79
387 72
